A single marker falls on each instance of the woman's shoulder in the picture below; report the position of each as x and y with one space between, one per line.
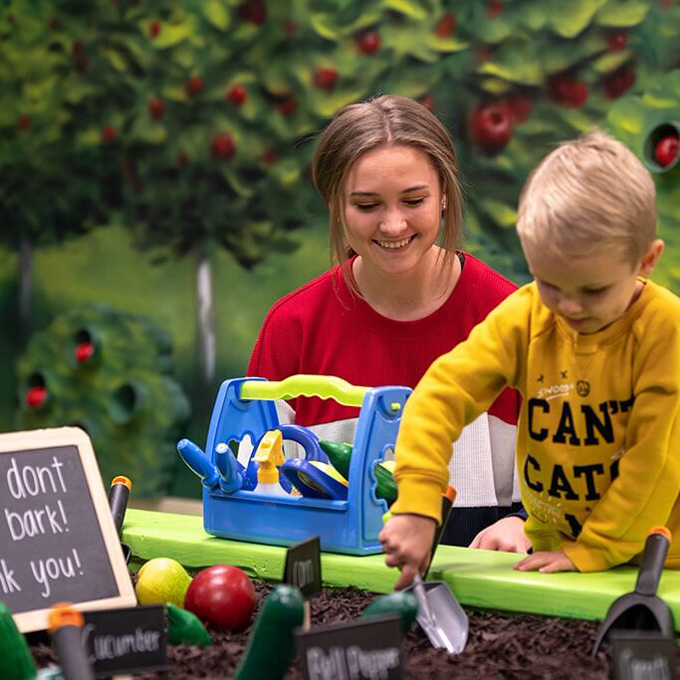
488 286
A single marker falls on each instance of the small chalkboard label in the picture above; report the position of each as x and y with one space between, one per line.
126 640
303 566
362 649
58 542
642 655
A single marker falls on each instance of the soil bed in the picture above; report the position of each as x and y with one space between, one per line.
500 647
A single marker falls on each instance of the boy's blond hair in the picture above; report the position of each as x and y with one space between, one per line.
590 192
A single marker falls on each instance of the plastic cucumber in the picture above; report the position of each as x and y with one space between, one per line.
404 604
17 662
271 646
184 626
340 457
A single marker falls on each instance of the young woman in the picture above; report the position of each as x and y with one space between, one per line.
399 296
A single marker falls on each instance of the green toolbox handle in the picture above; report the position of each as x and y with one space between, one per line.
301 385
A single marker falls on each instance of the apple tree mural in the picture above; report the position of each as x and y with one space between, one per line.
110 374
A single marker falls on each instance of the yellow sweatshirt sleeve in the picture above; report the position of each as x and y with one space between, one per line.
646 489
453 392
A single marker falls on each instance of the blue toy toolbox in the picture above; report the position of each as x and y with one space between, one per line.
246 406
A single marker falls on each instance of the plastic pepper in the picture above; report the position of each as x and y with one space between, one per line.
404 604
271 646
17 662
340 456
65 627
185 627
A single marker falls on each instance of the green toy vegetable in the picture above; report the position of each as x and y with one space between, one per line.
184 626
404 604
17 662
271 647
340 457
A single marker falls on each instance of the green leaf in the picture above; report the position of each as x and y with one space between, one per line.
287 172
116 59
568 19
445 44
322 24
235 182
148 131
170 35
501 213
623 13
409 9
216 13
516 68
610 61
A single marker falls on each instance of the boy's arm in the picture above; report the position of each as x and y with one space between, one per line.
453 392
646 489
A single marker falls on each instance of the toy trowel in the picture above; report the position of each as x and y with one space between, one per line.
440 615
642 609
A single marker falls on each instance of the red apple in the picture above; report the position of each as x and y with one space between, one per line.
154 29
194 86
84 352
24 123
223 147
566 89
491 126
521 105
36 396
237 95
253 11
617 40
325 78
270 156
446 26
618 82
666 150
108 133
291 28
427 100
182 159
369 43
287 106
494 8
156 108
82 63
222 596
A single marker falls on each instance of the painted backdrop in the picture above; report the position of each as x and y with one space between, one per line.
154 159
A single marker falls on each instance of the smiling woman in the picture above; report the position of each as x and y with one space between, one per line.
400 295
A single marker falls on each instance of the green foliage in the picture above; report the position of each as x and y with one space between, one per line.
631 120
203 112
108 373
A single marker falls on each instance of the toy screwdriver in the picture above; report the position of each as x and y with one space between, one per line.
118 500
65 627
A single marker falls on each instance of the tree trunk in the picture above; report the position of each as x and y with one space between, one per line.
25 286
205 321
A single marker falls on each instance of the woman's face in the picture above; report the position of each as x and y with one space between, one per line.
392 201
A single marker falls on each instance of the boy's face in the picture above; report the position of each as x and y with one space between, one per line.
589 290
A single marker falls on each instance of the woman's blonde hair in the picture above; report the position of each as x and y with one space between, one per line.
590 191
388 120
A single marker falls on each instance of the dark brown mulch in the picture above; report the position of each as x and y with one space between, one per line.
500 647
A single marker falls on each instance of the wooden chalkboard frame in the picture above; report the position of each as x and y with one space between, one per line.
17 442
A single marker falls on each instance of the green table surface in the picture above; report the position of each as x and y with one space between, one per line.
478 578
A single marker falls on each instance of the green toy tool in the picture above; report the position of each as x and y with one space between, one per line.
17 662
340 457
271 647
185 627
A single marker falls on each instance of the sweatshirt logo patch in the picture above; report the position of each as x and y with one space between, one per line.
583 388
555 391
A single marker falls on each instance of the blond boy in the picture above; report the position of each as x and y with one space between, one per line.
594 349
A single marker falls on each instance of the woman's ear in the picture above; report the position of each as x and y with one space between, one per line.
651 257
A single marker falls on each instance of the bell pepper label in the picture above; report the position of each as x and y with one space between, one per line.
303 566
352 651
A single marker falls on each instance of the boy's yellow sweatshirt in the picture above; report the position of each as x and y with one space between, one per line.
598 449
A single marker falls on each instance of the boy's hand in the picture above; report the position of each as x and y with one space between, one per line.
407 540
506 534
546 562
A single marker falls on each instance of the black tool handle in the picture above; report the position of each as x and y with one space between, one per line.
447 502
653 558
66 626
118 500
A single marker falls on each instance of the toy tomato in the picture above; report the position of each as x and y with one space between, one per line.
222 596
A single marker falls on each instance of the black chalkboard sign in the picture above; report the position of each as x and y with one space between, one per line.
367 648
642 655
58 542
303 566
126 640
